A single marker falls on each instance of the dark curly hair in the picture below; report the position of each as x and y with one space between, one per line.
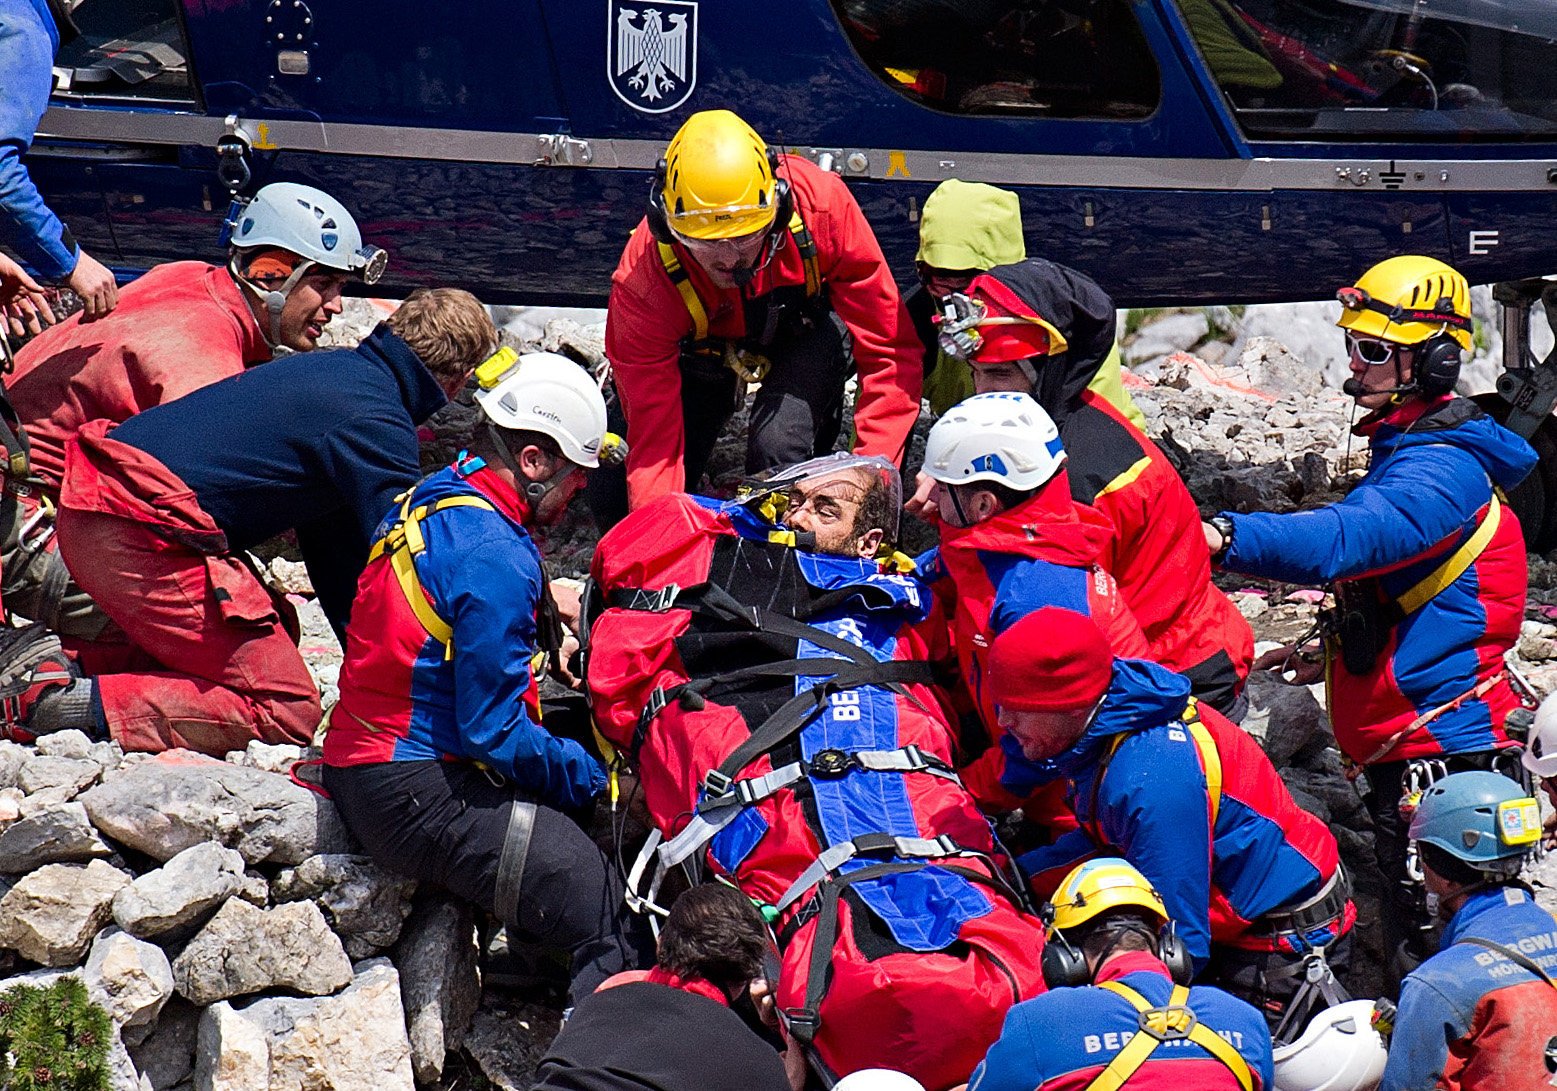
714 933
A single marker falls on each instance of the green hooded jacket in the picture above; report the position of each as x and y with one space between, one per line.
969 225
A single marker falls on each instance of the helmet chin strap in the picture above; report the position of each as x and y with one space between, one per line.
533 491
274 299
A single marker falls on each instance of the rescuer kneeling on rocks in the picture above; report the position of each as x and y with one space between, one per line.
156 515
1427 561
435 755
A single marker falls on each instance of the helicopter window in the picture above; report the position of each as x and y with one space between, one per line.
1071 58
127 49
1368 68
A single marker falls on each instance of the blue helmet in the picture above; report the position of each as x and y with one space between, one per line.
1484 819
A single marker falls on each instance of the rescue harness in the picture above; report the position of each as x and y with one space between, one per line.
1173 1022
404 541
749 366
1360 627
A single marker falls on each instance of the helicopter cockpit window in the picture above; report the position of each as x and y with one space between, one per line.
1450 70
128 49
1051 58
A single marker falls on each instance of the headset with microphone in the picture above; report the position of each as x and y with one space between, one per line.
1436 366
658 215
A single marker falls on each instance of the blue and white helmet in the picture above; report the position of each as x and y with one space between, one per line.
1480 818
309 223
1005 437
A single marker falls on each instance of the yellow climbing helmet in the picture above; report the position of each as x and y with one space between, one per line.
1098 886
1408 300
718 180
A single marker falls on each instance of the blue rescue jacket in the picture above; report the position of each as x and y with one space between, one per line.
1471 1018
1062 1040
403 698
1429 488
1152 806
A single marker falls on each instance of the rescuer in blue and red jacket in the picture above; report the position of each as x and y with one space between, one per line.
435 755
1428 562
1117 971
1482 1013
1253 881
1011 541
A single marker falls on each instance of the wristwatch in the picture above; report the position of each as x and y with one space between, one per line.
1224 527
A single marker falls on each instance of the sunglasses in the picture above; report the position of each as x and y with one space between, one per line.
1370 351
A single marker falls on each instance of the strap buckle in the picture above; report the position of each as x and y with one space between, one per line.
658 602
717 784
831 764
1163 1023
802 1023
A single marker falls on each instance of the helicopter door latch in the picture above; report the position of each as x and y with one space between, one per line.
232 156
558 150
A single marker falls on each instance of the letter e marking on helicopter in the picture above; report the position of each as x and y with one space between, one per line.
651 52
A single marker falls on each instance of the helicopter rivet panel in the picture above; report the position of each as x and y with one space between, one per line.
289 27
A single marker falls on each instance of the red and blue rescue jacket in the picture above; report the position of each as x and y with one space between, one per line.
1064 1039
405 696
1138 783
1470 1017
987 577
1427 494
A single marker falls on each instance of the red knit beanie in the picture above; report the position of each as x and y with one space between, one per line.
1052 659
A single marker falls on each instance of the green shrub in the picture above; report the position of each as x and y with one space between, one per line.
53 1039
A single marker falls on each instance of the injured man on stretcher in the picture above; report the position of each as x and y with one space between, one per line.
765 665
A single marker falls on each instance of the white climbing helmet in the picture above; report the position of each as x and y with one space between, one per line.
309 223
546 393
1541 748
1340 1051
878 1079
1005 437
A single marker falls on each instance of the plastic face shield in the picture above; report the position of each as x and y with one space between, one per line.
772 493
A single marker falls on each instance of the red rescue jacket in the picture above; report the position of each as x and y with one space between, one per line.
647 322
1044 552
179 327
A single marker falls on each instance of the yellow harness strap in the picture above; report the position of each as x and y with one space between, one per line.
1174 1021
1210 759
1210 762
678 277
404 543
1452 569
804 244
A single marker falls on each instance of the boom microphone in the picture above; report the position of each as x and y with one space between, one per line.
1352 388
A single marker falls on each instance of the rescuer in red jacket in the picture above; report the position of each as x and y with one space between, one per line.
178 328
1011 541
750 267
1037 327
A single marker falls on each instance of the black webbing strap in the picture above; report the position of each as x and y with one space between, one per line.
840 676
788 719
13 438
711 600
804 1022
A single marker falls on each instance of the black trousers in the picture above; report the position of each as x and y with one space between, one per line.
1404 921
797 413
446 823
